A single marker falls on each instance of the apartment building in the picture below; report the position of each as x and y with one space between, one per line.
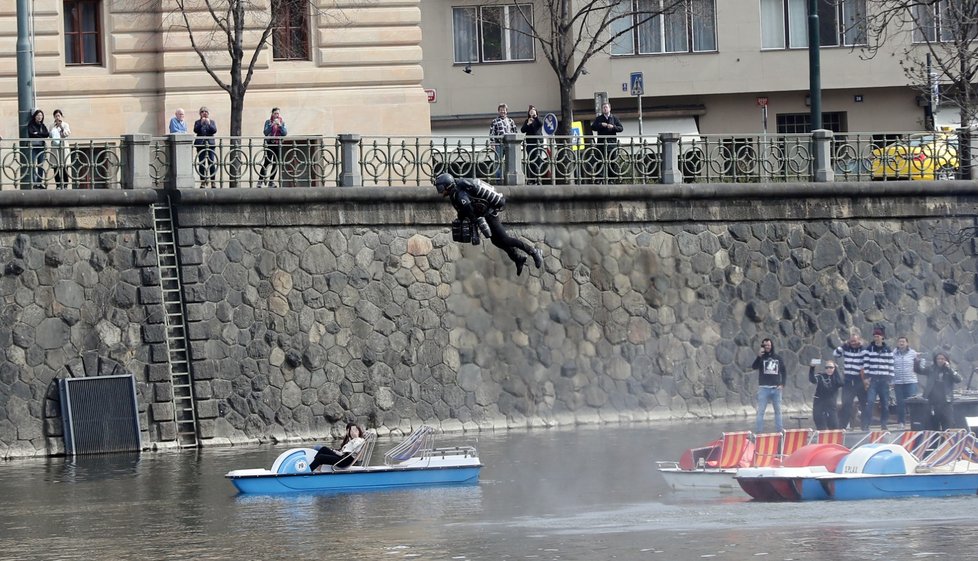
116 67
708 68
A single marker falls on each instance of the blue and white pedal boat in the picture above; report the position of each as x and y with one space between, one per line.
414 462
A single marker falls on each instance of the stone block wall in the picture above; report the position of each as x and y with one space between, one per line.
309 307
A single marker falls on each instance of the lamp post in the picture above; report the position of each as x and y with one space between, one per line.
814 69
25 66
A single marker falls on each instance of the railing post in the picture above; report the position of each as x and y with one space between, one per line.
135 161
967 148
180 152
512 146
822 140
350 175
669 174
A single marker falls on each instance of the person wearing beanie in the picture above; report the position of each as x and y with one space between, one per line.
878 367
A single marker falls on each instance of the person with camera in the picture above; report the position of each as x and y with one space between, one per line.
479 204
771 377
827 384
274 129
939 389
205 128
532 127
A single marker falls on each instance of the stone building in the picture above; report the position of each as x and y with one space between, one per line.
123 67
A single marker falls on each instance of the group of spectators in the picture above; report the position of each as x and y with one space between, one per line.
868 373
205 128
605 125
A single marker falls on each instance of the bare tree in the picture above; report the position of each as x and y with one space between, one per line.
572 32
944 30
229 36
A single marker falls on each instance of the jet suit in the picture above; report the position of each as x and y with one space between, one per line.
477 203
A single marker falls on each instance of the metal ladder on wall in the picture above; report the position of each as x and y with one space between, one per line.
176 326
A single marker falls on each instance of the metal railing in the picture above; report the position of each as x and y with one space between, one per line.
185 161
91 163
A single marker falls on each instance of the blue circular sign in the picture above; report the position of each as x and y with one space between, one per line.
550 123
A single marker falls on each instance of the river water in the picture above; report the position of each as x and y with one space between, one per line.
589 493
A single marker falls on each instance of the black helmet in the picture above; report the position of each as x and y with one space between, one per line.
444 181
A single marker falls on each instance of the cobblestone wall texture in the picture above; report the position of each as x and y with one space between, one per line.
296 327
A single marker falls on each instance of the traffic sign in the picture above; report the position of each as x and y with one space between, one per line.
637 83
762 102
549 123
432 94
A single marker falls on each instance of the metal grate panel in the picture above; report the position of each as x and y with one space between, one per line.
100 414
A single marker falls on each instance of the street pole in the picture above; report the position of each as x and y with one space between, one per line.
25 67
640 131
814 69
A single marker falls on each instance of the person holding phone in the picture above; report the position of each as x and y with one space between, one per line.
939 390
771 377
205 128
274 129
827 384
531 127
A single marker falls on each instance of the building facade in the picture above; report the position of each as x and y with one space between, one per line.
709 66
124 67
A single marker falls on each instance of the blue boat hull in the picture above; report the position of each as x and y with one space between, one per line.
353 480
891 486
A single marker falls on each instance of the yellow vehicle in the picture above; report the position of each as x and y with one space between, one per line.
926 156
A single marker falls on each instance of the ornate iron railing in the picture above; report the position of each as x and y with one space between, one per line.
895 156
308 161
92 163
415 160
350 160
746 158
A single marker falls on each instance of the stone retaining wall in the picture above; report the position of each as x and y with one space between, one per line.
306 307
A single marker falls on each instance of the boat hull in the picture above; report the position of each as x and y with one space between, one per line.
353 479
680 479
895 486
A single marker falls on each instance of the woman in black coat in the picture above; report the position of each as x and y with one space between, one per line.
532 128
37 131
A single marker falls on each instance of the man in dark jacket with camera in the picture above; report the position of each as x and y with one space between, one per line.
478 206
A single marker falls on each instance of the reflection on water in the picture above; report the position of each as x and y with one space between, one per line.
587 493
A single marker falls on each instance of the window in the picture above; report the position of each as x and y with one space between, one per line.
492 33
290 34
801 123
785 23
83 32
944 20
642 27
